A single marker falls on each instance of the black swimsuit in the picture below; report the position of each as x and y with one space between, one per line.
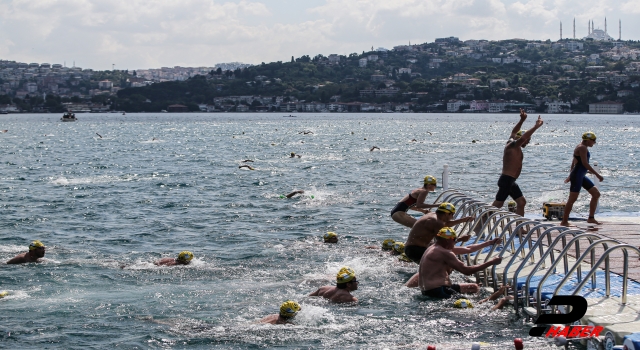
404 206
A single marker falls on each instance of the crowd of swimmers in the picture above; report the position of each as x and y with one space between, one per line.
432 242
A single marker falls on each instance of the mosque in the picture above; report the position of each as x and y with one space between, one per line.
599 34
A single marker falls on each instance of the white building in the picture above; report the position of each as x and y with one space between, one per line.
372 58
334 58
404 70
454 105
558 107
105 85
606 107
32 87
362 62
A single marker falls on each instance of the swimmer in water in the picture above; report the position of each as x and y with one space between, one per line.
288 311
512 164
414 201
99 135
36 251
374 148
293 155
293 193
247 160
330 237
246 166
341 293
438 261
502 302
184 258
3 131
579 168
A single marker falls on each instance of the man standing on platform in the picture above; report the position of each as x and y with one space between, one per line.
512 164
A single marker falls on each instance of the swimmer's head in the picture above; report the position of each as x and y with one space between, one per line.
387 244
446 208
463 304
447 233
512 204
430 180
3 294
398 248
345 275
185 257
36 245
289 309
330 237
589 135
520 133
293 154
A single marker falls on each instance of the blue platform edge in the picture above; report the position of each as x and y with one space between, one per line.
633 287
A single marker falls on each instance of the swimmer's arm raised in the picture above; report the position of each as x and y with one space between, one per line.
294 193
523 117
529 132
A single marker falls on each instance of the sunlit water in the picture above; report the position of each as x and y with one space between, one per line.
156 184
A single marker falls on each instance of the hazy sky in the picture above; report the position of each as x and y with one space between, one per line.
134 34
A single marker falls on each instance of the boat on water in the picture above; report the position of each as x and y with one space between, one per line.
289 116
68 117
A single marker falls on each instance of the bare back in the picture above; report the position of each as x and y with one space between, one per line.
512 159
23 258
334 294
424 230
434 270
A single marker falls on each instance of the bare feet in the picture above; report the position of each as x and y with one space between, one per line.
566 224
592 220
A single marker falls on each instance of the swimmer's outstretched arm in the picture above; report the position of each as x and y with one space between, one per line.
459 221
475 247
523 117
294 193
420 201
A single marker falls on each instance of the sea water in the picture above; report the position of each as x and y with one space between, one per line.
111 193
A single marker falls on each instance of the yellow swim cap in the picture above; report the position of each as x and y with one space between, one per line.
447 232
327 236
520 133
3 294
346 274
398 247
35 245
387 244
289 308
430 180
185 256
511 204
404 257
463 304
446 208
589 135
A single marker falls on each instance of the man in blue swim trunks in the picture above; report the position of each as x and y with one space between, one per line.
579 168
439 260
512 164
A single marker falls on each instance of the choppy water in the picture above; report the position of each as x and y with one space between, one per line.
156 184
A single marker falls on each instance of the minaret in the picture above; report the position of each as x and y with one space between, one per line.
620 29
592 26
589 28
605 25
574 28
560 30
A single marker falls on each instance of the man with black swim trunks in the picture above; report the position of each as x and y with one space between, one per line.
579 168
438 261
512 164
414 201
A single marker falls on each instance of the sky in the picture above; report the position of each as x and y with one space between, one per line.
139 34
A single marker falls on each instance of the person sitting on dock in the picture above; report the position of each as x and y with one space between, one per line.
414 201
579 168
341 293
36 251
184 258
439 260
288 310
512 164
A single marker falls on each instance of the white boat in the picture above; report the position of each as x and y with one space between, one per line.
68 117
